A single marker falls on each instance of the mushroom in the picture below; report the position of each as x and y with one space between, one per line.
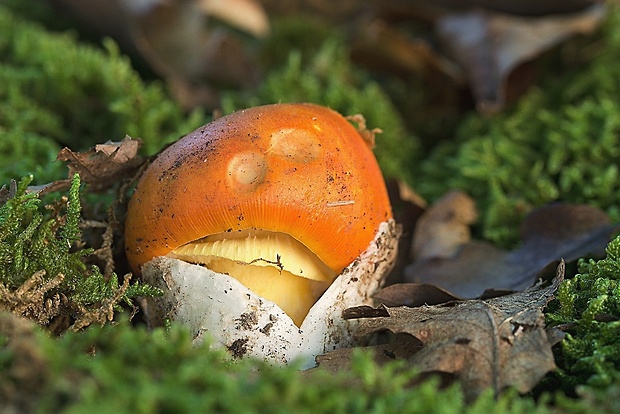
281 197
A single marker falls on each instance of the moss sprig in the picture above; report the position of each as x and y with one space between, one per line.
588 305
43 272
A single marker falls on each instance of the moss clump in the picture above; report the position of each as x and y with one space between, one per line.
29 242
124 369
561 142
43 274
55 91
590 304
323 74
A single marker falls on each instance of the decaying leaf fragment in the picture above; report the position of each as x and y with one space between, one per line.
497 343
102 166
468 268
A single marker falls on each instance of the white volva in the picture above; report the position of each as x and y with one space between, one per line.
218 306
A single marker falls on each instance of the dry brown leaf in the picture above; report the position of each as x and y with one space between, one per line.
497 343
43 189
40 190
489 46
378 45
550 233
104 165
413 295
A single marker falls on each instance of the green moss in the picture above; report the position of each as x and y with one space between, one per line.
55 91
125 369
560 142
32 242
29 242
323 74
590 303
122 369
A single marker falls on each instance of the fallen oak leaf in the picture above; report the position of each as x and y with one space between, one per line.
550 233
419 294
497 343
104 165
381 46
476 267
402 347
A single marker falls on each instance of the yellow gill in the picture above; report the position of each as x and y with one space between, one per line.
259 248
273 265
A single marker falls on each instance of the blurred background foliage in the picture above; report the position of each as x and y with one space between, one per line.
553 138
79 73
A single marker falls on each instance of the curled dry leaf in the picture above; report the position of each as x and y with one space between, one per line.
497 343
550 233
101 167
444 227
182 44
489 46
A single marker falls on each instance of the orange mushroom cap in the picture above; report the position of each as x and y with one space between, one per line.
299 169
